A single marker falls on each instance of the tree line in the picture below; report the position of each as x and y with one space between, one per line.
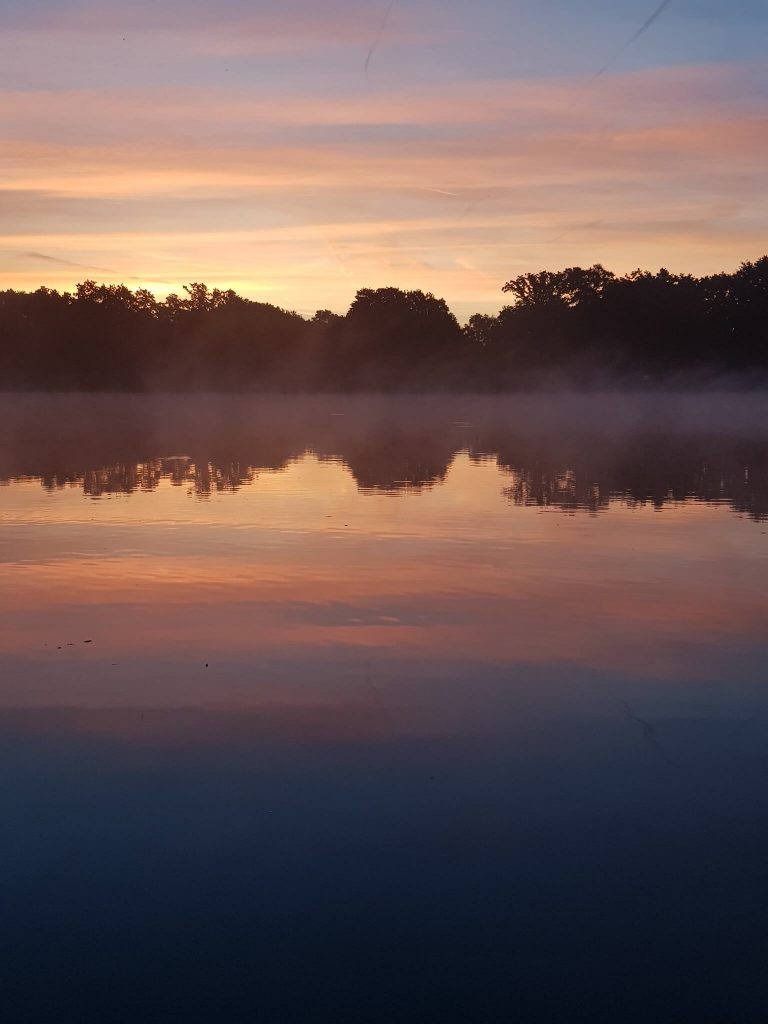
582 325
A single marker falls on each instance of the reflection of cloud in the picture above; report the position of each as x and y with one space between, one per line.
401 602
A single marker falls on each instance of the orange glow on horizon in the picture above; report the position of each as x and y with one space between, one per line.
533 173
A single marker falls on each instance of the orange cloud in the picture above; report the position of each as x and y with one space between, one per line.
305 198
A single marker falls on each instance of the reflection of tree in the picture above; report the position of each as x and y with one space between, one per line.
648 469
396 461
201 478
561 489
726 479
106 445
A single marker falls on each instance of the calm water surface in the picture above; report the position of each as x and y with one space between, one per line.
384 709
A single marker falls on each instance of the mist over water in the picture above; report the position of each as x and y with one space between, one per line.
571 450
384 708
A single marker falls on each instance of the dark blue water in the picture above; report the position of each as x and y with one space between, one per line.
455 765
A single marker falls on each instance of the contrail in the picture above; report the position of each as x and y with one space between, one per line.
380 33
438 191
576 227
44 257
66 263
649 21
633 38
649 731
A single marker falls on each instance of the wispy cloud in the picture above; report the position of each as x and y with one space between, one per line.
652 98
305 197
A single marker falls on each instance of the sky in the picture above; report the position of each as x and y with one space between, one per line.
299 150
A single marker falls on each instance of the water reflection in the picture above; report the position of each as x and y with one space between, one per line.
567 453
366 735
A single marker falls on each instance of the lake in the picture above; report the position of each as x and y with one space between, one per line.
384 709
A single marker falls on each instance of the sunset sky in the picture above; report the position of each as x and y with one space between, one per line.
246 144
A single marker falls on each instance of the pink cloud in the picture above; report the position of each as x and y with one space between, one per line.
230 28
248 191
652 98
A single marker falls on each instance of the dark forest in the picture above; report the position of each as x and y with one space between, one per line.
579 326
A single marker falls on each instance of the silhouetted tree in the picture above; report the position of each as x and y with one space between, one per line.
584 323
403 339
